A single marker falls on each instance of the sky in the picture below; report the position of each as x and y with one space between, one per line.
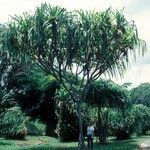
137 10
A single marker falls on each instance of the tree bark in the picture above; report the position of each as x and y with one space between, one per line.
81 140
101 128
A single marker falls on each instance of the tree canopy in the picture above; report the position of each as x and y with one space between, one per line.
141 94
106 93
86 44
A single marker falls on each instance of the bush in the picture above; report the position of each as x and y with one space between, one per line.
122 134
135 119
12 124
35 127
141 115
121 124
67 127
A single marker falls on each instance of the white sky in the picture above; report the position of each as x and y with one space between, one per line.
137 10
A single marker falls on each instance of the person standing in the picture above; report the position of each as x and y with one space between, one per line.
90 133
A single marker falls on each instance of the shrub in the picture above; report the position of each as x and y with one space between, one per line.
141 115
13 124
35 127
135 119
67 127
121 124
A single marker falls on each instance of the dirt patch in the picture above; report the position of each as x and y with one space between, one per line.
30 143
145 145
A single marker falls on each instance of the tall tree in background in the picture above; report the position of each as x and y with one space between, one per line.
85 44
141 94
34 91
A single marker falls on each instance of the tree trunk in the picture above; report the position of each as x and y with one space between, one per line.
101 128
50 129
81 140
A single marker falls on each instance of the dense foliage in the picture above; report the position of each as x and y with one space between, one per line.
35 127
12 124
134 120
106 95
141 94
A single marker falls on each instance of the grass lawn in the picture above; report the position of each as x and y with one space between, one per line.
48 143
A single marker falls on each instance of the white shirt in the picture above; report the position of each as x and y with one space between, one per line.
90 130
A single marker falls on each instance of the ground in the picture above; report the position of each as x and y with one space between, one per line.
145 145
48 143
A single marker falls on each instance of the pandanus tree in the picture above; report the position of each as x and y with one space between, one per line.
85 44
106 95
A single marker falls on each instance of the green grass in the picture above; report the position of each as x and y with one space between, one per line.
48 143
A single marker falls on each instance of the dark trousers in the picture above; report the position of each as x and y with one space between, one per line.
90 142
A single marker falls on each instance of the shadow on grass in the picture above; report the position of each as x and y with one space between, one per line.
113 145
48 147
5 143
119 145
116 145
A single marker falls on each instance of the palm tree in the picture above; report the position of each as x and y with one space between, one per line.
85 44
